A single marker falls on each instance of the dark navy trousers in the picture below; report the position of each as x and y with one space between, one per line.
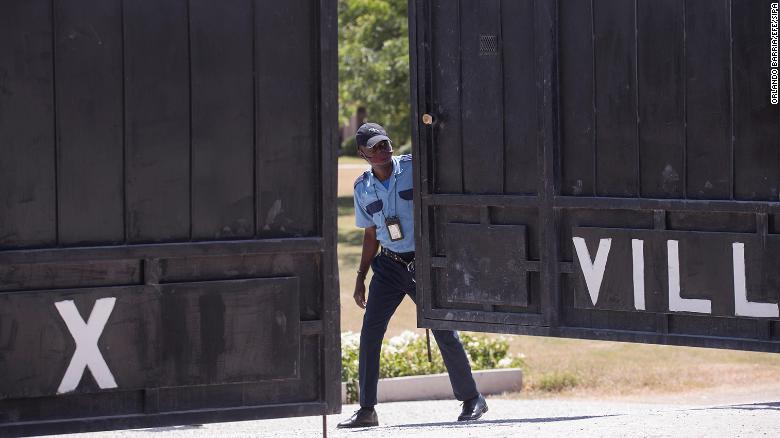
391 281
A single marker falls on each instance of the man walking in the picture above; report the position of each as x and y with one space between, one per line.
383 207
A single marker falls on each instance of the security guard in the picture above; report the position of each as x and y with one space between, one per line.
383 207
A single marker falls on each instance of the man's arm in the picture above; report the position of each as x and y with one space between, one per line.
370 247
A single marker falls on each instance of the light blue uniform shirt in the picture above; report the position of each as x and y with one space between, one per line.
374 203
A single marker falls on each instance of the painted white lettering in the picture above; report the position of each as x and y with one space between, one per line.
676 302
743 307
86 335
638 253
592 271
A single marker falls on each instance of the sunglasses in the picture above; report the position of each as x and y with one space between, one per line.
382 146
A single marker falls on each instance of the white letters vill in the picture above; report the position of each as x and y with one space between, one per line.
593 272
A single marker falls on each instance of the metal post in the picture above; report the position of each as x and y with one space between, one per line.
428 343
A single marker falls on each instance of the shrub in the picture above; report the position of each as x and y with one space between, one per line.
405 149
349 147
407 355
350 343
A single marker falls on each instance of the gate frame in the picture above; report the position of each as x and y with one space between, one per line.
326 65
549 202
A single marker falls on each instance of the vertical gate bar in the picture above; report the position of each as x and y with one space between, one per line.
662 320
423 262
731 99
636 103
659 219
189 110
53 17
484 219
427 148
254 120
324 426
420 43
428 344
762 226
460 95
326 59
501 51
546 19
151 271
662 323
763 326
594 101
124 128
684 100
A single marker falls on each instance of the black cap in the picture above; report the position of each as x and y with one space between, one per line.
369 134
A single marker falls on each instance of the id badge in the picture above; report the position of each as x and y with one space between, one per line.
394 228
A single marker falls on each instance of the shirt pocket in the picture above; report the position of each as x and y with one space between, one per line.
374 207
407 194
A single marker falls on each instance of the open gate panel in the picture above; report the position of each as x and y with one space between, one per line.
601 169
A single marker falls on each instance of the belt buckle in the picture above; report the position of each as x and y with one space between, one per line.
395 257
399 259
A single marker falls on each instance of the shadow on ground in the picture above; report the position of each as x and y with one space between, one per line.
169 428
463 424
772 406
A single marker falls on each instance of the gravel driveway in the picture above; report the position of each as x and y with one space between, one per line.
513 418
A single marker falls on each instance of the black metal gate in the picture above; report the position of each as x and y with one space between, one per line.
167 230
605 169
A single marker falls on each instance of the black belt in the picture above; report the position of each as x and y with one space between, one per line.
406 258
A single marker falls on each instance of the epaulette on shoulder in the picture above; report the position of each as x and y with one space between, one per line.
361 178
406 157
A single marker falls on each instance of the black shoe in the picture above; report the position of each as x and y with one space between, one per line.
473 409
363 417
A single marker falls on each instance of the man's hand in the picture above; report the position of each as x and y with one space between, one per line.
370 247
360 293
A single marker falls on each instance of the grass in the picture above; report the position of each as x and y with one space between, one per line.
556 382
598 368
571 367
346 159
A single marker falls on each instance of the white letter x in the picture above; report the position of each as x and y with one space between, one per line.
86 335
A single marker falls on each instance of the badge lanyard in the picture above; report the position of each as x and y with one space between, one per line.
393 223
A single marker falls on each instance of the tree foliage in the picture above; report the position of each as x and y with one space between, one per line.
374 63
